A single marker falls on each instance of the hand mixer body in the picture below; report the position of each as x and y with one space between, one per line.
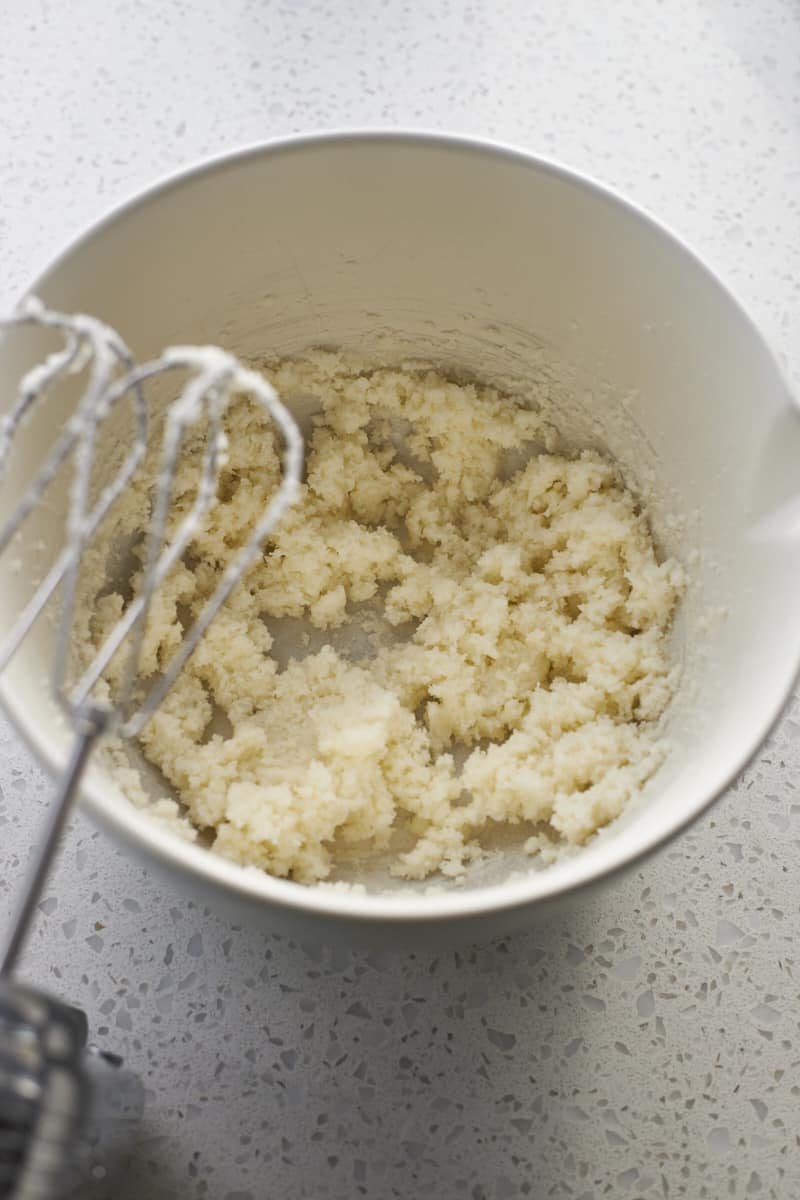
68 1110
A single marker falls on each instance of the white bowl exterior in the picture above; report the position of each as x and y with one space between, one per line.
489 260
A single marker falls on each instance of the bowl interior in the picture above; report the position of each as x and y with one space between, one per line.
484 261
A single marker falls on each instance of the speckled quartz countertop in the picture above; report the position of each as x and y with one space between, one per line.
647 1044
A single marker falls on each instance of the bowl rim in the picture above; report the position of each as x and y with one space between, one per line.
135 828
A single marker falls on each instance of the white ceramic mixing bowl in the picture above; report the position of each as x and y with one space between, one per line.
481 258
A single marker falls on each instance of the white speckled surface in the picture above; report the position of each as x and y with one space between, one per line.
647 1045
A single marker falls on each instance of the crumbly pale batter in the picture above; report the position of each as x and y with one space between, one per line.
479 630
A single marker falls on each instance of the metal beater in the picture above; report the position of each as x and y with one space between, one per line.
64 1104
